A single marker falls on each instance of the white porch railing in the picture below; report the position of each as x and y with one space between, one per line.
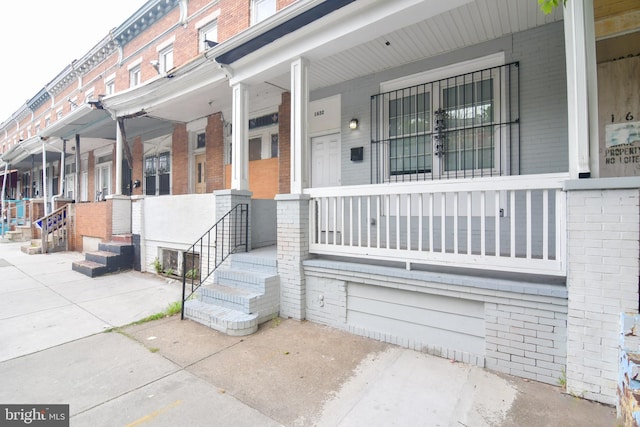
512 223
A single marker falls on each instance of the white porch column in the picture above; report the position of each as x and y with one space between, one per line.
299 137
44 178
119 158
240 139
579 34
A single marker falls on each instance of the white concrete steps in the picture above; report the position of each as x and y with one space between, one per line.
225 320
240 296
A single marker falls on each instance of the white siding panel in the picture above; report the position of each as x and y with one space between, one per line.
436 321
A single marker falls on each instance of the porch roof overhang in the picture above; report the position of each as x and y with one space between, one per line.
19 156
188 92
343 40
86 119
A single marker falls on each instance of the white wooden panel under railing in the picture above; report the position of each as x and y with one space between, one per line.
512 223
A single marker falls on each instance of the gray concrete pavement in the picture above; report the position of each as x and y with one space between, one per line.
178 373
44 303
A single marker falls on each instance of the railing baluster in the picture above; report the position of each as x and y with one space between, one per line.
443 222
512 231
483 217
378 206
469 224
398 205
528 213
545 224
420 220
496 211
431 211
456 213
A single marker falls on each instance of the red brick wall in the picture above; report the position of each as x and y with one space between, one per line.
93 220
137 169
284 144
234 17
180 159
214 135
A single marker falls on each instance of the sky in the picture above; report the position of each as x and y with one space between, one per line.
39 38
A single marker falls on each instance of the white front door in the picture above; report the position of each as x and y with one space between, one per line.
325 161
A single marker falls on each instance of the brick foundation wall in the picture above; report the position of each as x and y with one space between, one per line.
602 278
93 220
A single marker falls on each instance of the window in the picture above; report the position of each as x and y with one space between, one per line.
165 58
74 103
274 145
459 126
103 175
89 95
59 114
262 9
201 140
110 87
208 33
409 124
255 148
468 113
157 172
135 76
47 121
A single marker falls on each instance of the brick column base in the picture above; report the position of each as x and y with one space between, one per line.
602 280
293 249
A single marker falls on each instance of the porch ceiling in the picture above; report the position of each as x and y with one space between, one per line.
372 50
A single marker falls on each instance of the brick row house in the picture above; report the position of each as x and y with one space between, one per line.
455 177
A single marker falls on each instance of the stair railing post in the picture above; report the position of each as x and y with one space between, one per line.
184 283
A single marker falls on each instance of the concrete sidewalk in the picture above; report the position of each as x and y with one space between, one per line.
44 303
173 373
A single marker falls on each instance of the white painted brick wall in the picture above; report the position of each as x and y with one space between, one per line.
525 341
121 217
293 248
326 301
602 278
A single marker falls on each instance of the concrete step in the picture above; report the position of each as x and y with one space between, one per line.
252 281
120 248
113 262
223 319
249 262
31 249
233 298
89 268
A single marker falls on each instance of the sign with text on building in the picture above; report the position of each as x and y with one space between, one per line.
324 115
619 117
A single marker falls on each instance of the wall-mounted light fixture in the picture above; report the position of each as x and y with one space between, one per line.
353 124
155 64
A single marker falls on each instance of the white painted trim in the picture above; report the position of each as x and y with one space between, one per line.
109 78
165 44
134 64
207 20
198 125
489 61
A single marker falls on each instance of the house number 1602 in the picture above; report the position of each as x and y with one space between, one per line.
628 117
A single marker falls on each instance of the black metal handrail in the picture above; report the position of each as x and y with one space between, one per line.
227 236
